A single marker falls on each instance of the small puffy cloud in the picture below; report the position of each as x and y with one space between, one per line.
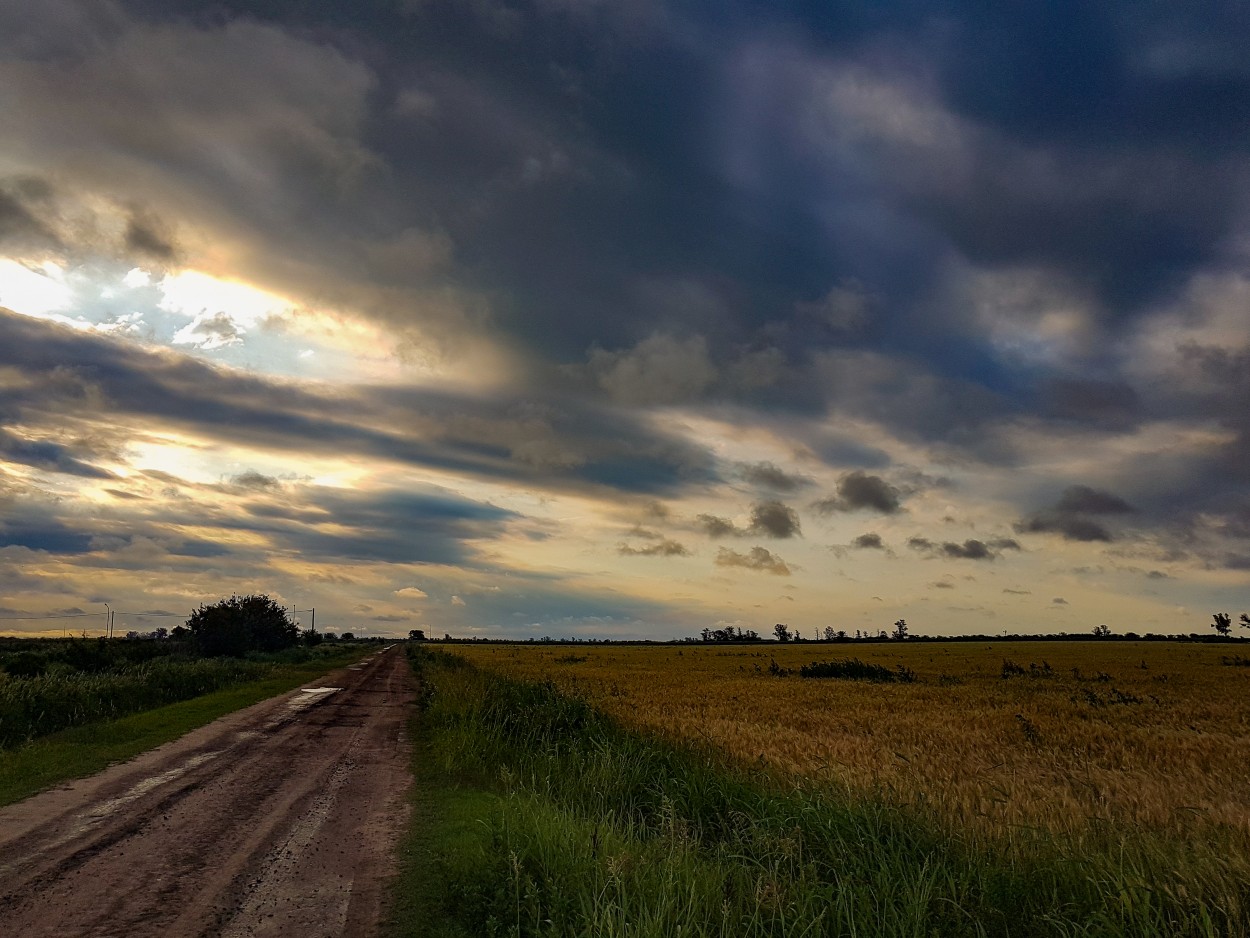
860 491
774 519
714 526
251 479
942 585
758 558
661 548
1058 601
768 519
210 332
869 541
768 475
412 592
971 549
661 369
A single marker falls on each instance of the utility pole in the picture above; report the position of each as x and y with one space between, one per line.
108 621
313 610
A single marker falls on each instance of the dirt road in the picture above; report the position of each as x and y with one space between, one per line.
276 820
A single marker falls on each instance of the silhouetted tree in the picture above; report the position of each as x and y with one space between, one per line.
1223 624
1102 631
241 624
782 632
900 630
1245 621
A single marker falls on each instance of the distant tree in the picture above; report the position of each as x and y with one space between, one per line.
782 632
416 635
310 638
1245 621
329 636
1102 631
829 633
180 632
348 637
900 630
241 624
1223 624
160 634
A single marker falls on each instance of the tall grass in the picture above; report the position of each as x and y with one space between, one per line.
599 831
56 700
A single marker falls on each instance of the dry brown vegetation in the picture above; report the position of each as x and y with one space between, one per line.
998 737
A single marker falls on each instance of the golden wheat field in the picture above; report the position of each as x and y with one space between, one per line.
1155 734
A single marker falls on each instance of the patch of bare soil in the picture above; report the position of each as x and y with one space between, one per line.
280 819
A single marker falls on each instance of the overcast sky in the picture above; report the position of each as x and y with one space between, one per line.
626 319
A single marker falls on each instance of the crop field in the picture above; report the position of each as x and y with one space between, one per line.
1024 789
1000 736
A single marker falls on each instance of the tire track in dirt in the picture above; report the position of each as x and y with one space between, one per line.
280 819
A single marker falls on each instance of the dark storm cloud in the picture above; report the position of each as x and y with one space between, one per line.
869 541
859 491
563 445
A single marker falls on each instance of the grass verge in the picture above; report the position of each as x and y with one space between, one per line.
538 816
85 750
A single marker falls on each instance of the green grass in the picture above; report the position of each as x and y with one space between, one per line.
85 750
538 816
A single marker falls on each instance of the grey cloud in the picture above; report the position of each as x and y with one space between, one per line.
1072 528
758 558
662 548
861 491
1112 405
1085 500
768 475
970 549
1069 516
661 369
147 235
774 519
716 527
251 479
869 541
51 456
768 519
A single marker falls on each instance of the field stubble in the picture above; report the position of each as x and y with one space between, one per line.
1004 739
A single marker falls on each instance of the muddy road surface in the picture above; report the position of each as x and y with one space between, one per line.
280 819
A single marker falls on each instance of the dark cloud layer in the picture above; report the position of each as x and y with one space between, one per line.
875 236
561 446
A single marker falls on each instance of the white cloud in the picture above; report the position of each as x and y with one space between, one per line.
412 592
